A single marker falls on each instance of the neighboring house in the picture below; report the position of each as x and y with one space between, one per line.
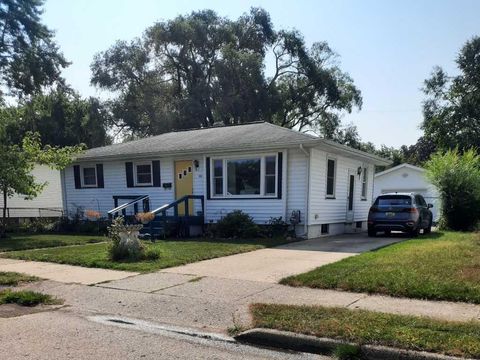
47 204
408 178
262 169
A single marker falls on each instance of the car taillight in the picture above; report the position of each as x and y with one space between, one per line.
412 210
373 210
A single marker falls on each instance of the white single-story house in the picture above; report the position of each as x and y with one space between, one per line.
47 204
262 169
408 178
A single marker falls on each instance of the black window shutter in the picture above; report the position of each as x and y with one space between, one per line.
129 173
76 175
156 173
100 183
207 167
280 173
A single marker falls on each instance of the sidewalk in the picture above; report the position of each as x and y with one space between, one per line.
63 273
218 304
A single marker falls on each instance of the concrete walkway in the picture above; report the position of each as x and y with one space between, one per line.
271 265
63 273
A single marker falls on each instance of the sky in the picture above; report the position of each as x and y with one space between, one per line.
388 47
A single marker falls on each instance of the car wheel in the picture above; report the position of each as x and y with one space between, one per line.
372 233
414 232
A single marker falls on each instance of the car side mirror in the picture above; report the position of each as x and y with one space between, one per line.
430 206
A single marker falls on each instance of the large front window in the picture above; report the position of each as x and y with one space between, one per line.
245 177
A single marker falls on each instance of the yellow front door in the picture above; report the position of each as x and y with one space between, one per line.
184 184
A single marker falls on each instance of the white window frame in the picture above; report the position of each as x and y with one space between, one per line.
82 175
225 160
135 177
327 195
364 183
213 177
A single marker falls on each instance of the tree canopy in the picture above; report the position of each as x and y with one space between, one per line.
61 117
452 107
29 57
201 68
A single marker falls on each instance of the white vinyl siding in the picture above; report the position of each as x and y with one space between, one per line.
49 198
329 211
297 177
101 199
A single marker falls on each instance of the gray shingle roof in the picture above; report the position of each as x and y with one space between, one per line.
253 135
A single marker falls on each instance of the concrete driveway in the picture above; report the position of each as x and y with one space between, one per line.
271 265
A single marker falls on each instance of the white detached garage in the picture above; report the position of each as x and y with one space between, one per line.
407 178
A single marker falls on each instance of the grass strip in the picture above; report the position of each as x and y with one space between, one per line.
367 327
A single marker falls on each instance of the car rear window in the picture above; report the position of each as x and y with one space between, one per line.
394 200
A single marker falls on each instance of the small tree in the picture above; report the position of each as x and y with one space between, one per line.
457 177
17 163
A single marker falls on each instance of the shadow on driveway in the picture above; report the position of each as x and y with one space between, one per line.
347 243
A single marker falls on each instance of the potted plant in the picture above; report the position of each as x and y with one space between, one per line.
145 217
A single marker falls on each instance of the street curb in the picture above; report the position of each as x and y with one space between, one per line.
312 344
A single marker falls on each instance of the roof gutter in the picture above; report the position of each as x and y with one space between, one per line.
190 152
377 160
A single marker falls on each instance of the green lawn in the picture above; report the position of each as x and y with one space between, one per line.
13 278
172 253
366 327
36 241
440 266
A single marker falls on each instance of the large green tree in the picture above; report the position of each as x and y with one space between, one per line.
29 57
452 108
61 117
199 69
18 161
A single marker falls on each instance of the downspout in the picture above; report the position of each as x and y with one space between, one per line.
307 180
63 186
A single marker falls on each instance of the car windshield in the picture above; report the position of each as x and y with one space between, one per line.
394 200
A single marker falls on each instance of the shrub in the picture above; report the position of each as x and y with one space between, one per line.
125 244
237 224
457 178
34 225
77 225
276 227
